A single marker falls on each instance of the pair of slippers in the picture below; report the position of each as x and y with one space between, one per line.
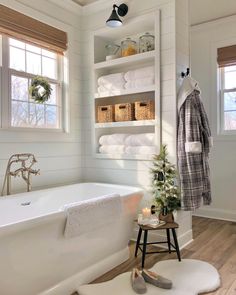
139 279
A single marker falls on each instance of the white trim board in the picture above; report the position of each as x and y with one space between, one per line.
212 23
214 213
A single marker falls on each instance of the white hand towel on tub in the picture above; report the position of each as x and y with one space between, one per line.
144 139
146 72
141 150
93 214
112 149
113 139
111 79
139 83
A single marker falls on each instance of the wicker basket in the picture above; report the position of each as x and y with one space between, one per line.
124 112
105 114
144 110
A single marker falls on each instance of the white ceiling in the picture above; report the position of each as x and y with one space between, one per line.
84 2
200 10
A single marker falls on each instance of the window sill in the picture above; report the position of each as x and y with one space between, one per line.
11 135
225 136
31 129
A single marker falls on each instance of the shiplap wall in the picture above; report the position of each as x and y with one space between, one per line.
205 39
125 171
59 155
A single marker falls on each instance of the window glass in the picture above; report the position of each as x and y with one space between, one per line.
228 96
27 61
17 59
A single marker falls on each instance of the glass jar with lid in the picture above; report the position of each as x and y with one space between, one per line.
128 47
146 43
112 51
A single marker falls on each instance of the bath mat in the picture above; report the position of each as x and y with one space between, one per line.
189 277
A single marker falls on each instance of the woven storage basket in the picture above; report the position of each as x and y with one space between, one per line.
124 112
105 114
144 110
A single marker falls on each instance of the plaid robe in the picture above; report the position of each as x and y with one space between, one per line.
194 142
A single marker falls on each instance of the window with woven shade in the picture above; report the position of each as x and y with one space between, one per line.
30 48
226 59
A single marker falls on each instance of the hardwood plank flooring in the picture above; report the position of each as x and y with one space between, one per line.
214 242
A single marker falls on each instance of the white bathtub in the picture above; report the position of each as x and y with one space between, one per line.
35 258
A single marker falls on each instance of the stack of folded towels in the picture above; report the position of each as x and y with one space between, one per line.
108 84
135 79
130 144
139 78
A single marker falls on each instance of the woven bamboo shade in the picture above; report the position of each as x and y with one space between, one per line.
226 56
25 28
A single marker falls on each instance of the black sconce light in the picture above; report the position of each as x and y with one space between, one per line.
114 20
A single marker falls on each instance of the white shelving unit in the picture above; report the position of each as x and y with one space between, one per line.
134 28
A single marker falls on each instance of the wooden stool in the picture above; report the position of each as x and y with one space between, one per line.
168 226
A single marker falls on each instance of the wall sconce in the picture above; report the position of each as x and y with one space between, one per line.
114 20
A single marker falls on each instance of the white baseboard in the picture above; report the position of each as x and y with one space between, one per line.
215 213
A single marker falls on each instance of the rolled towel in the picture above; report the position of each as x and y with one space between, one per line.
146 72
113 139
142 139
141 150
117 78
112 149
109 86
139 83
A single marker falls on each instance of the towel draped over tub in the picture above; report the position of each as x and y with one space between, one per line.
93 214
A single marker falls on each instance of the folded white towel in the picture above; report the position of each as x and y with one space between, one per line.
139 83
110 86
142 139
111 79
93 214
112 149
141 150
113 139
146 72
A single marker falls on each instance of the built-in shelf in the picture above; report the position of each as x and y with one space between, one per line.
127 61
126 92
126 124
136 27
124 157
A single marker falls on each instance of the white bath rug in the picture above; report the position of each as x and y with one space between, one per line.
189 277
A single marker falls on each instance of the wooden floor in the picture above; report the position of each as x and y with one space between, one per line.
214 242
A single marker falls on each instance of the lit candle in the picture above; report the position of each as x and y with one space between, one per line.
146 212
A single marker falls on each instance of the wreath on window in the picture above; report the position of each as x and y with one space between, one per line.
40 89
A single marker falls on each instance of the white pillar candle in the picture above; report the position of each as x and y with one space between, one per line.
146 212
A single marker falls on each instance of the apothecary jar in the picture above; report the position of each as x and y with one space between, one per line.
146 43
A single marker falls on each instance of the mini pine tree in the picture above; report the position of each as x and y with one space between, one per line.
164 185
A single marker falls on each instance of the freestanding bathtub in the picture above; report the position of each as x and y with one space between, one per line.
35 258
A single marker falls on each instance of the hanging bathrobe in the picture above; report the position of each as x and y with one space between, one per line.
194 143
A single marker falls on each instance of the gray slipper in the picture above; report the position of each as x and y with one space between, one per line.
156 280
138 282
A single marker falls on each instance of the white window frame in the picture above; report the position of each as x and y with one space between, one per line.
5 82
222 91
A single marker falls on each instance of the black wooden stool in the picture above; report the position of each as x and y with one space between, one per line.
168 226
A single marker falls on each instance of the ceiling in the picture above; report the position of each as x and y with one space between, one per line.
84 2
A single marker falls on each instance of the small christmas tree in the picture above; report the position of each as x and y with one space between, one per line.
164 183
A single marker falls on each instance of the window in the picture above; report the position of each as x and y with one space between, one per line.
228 98
30 48
25 62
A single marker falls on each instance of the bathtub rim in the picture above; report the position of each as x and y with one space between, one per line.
11 228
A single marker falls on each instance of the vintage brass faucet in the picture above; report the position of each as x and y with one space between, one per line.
25 170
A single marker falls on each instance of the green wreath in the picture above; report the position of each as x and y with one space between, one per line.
40 89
